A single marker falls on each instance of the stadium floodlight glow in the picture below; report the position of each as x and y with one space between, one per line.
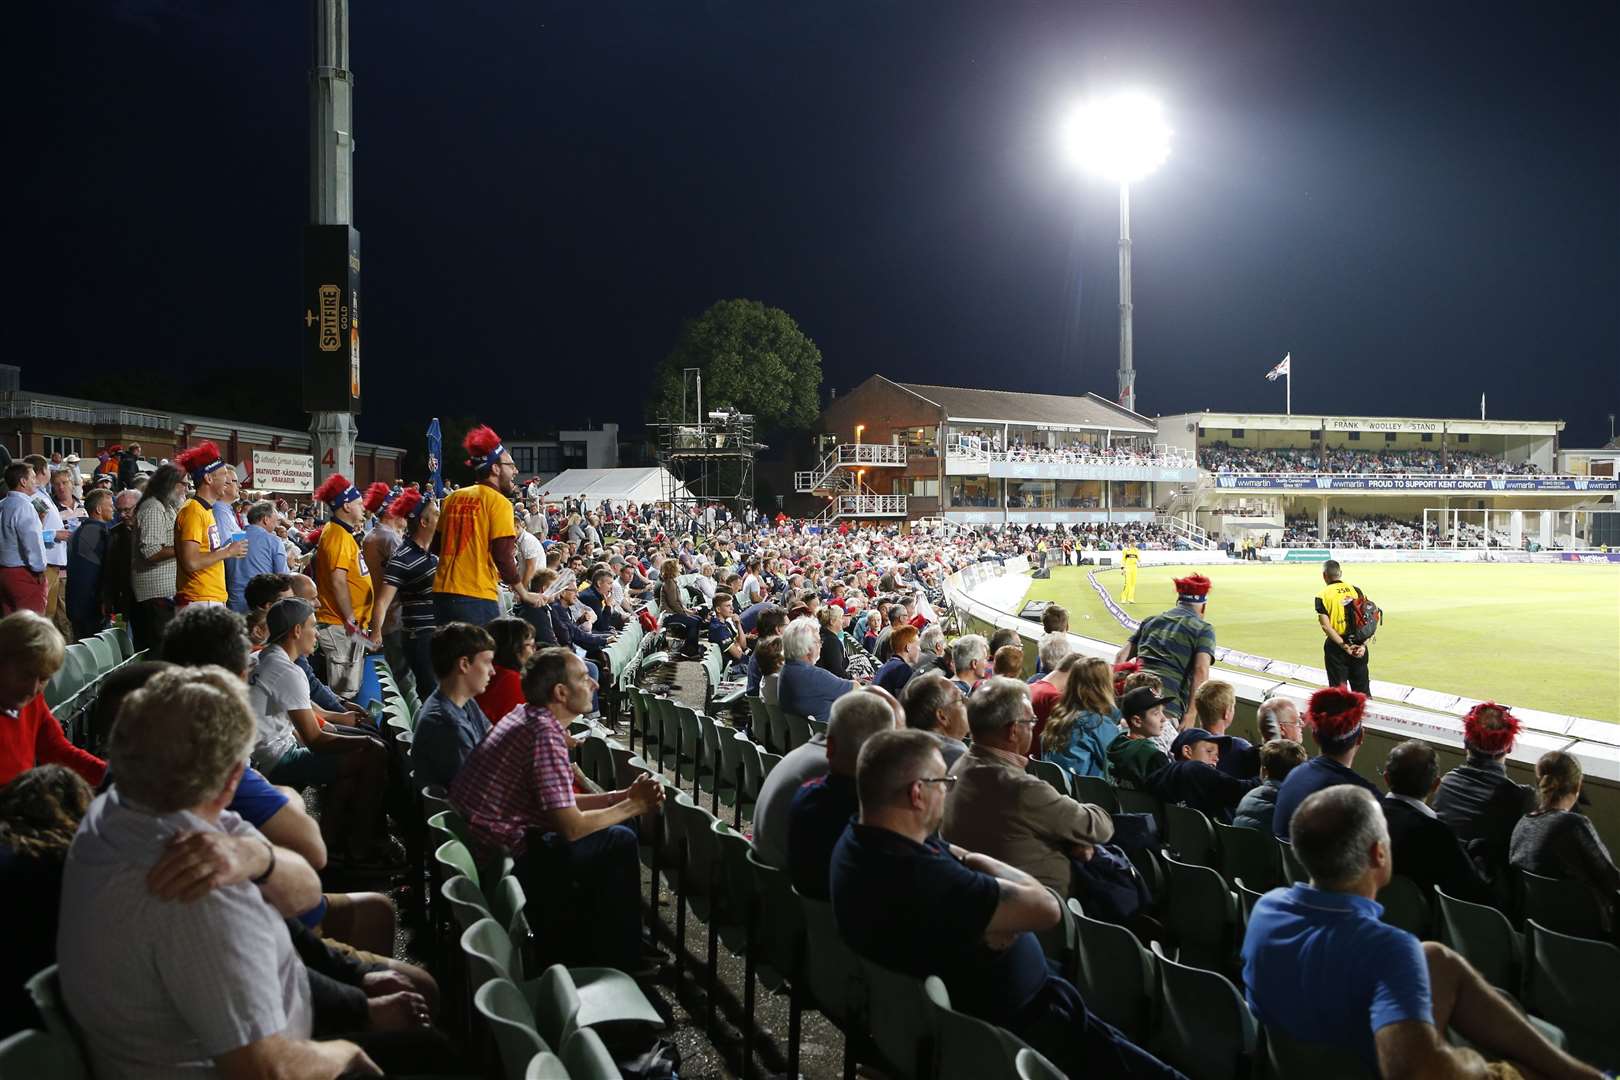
1122 137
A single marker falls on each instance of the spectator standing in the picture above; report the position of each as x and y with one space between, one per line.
22 545
155 568
199 549
117 570
229 524
1321 966
51 523
1422 847
1000 809
478 537
87 554
1477 799
407 583
265 554
1344 652
1177 645
174 986
450 722
1278 758
1085 722
575 855
342 586
31 651
129 466
905 899
1555 840
1334 717
822 807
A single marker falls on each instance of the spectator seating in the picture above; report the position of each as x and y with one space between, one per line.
1204 1027
1573 982
73 689
41 1054
1568 907
1485 938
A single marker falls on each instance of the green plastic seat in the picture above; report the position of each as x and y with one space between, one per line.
596 761
759 717
454 858
1294 872
1202 916
45 988
692 761
126 641
776 730
1250 854
29 1054
767 762
507 908
1483 936
836 976
466 900
1566 907
1247 898
1096 791
1031 1066
1287 1058
1204 1028
1132 801
967 1048
586 1058
1190 837
567 1000
1573 982
115 644
1052 773
798 729
1115 976
101 653
449 825
504 1009
546 1066
434 799
901 1021
669 732
753 767
1405 906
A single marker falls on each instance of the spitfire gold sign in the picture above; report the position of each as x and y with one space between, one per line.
331 317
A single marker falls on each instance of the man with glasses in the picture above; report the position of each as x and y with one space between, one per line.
1001 809
478 537
905 899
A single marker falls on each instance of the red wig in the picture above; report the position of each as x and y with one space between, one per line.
376 494
406 503
1490 728
198 459
332 488
480 443
1193 585
1335 713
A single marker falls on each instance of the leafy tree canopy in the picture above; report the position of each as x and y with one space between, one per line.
753 358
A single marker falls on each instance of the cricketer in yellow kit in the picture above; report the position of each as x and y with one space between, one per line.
1132 559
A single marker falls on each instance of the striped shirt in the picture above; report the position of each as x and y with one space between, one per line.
411 571
154 526
518 772
1169 643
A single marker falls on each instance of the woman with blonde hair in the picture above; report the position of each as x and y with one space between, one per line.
1085 719
1554 841
31 651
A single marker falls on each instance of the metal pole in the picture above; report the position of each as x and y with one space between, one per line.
1288 388
1127 374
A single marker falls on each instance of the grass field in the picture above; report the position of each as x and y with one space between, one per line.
1545 637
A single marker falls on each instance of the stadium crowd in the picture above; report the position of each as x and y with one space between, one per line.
1383 531
238 948
1220 457
982 446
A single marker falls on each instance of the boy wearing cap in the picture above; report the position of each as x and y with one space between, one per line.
1334 716
1177 645
1192 778
1135 755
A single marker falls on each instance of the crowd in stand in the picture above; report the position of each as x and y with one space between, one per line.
914 815
989 447
1220 457
1383 531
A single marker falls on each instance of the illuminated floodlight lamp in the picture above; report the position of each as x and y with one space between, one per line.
1121 137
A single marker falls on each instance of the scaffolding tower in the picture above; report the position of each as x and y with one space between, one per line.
709 460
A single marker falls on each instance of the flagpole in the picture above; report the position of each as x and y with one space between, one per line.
1288 384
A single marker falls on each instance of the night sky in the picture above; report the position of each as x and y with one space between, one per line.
1418 200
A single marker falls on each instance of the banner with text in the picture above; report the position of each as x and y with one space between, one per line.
1313 482
290 473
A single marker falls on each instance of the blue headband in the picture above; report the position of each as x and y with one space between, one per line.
347 497
1192 598
493 458
198 474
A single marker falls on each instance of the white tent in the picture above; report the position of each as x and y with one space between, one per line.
644 485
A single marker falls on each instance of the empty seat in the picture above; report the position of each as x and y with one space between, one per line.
1250 854
1189 836
1568 907
1405 906
511 1021
1293 870
586 1058
1204 1028
1052 773
1574 982
967 1048
1095 790
1287 1058
796 728
1484 937
1116 977
1201 915
900 1020
28 1054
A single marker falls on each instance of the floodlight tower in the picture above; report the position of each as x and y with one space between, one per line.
1121 138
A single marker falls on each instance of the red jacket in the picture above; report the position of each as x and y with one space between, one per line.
35 737
503 694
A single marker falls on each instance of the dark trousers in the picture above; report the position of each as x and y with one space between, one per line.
1057 1023
593 887
449 608
419 658
148 621
1343 668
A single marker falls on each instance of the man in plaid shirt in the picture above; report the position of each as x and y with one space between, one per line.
575 855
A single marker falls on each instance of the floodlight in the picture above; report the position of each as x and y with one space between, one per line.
1122 137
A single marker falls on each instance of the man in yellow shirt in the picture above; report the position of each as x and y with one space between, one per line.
1344 652
199 550
478 538
1132 559
342 587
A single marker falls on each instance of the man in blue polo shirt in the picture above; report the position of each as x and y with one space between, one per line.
1334 716
1320 966
908 901
806 689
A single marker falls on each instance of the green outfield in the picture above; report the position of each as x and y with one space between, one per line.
1540 636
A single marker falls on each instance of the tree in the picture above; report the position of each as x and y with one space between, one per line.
753 358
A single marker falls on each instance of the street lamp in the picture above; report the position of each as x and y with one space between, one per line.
858 429
1121 138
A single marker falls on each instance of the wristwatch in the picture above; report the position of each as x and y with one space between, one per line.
264 877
